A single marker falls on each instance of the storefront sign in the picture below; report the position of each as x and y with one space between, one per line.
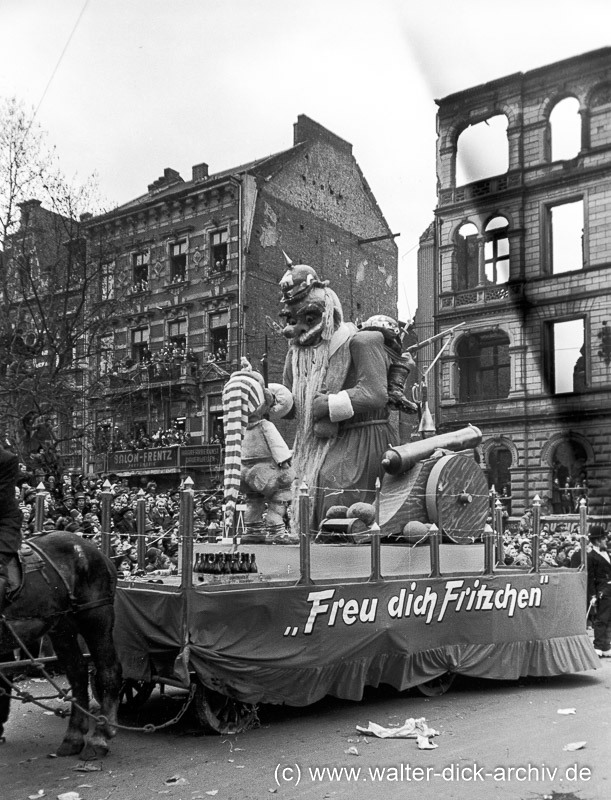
148 460
205 455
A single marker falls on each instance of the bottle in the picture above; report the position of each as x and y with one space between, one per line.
252 566
244 562
197 563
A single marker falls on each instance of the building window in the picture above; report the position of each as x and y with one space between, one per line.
107 280
483 367
566 357
218 336
218 250
178 261
499 474
496 251
177 333
467 258
106 353
140 344
565 130
140 272
216 434
482 150
569 477
566 223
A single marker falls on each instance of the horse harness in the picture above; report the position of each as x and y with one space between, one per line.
31 559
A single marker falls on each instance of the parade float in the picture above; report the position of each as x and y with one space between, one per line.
393 571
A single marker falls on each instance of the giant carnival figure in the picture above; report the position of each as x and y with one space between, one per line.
257 459
338 377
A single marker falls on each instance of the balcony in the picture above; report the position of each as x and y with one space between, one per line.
479 189
149 375
482 295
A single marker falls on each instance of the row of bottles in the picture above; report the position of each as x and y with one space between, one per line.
224 563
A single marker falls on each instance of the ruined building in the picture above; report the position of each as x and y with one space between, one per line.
520 253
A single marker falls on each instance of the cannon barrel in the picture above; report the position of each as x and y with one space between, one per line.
397 460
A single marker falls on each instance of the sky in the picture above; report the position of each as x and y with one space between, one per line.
126 88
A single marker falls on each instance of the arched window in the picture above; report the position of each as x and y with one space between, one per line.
568 476
565 129
467 269
483 366
496 251
482 150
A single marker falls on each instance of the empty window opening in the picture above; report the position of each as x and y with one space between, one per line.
483 367
467 258
496 251
482 150
178 261
567 237
567 356
565 129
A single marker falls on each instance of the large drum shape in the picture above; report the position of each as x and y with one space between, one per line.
457 498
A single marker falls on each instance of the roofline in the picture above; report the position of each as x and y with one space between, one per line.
523 76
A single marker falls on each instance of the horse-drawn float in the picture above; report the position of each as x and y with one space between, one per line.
392 602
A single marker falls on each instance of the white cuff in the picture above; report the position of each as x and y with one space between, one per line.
283 401
340 407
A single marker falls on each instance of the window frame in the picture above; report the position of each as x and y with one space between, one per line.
493 237
180 258
180 338
140 283
472 373
550 356
221 246
549 235
137 347
467 249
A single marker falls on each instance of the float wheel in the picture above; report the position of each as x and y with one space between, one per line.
220 714
437 686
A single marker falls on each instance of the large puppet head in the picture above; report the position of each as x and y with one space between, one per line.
310 309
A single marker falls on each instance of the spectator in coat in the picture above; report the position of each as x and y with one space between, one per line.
599 589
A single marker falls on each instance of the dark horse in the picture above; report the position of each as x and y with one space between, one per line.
68 593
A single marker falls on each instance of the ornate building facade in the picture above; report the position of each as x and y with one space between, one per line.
520 256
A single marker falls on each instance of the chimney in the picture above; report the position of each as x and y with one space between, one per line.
170 176
200 172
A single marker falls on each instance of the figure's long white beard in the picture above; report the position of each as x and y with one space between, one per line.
309 371
309 367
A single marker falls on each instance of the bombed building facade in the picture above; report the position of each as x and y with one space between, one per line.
519 255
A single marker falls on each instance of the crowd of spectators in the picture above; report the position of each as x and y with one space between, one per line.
76 505
113 439
165 364
557 547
